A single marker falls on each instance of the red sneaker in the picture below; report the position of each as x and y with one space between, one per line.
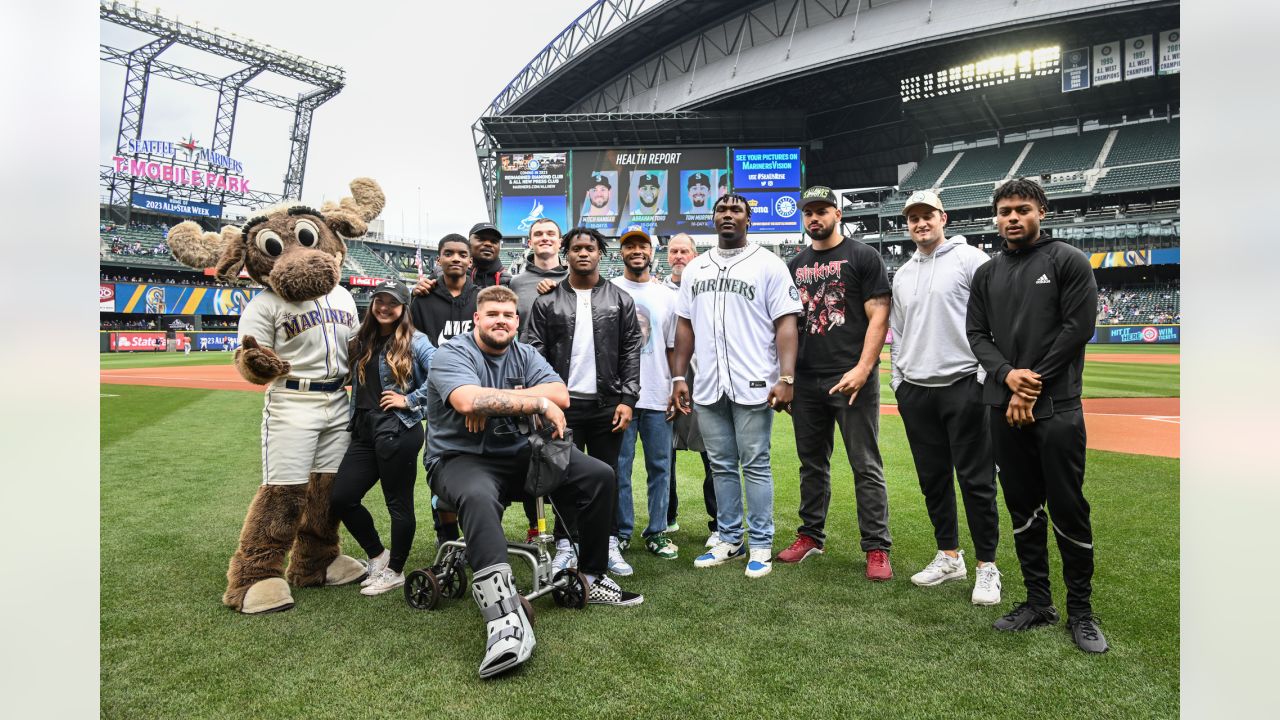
878 566
531 535
803 547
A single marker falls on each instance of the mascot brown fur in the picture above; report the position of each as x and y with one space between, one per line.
296 252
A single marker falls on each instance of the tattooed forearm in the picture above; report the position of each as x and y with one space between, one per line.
496 403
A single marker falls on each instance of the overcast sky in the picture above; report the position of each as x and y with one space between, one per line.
418 75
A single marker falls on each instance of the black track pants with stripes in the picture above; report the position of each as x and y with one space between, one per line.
1042 468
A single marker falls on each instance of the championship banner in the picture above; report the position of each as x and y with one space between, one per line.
1170 53
770 180
176 206
137 341
661 191
1125 258
1106 63
106 297
1075 70
1139 58
181 300
532 186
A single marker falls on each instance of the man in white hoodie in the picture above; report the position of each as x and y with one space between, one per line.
938 383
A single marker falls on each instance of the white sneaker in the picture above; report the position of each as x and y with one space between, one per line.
617 565
722 553
760 562
986 591
942 569
565 557
388 579
713 539
375 566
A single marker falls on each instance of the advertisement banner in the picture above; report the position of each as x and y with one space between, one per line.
1166 256
774 211
106 297
661 191
771 181
1106 63
1075 70
181 299
176 206
180 323
532 186
364 281
1170 52
1138 334
215 341
1124 258
137 342
1139 58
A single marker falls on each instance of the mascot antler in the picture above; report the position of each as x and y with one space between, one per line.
194 247
350 216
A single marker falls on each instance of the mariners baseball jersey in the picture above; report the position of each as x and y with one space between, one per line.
311 335
732 304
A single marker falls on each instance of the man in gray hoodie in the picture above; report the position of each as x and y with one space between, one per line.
938 383
542 264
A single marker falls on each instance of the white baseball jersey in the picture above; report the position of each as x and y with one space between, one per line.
311 335
732 304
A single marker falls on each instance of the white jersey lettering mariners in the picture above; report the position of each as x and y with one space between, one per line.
733 303
312 335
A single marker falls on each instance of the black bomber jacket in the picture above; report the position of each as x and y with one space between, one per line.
616 334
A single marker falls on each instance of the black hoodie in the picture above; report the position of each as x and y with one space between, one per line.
1034 308
439 315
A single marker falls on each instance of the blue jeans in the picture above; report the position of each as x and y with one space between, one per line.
655 433
739 435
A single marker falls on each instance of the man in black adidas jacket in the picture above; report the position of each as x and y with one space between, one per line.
1031 314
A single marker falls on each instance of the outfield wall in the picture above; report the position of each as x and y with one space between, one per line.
1137 335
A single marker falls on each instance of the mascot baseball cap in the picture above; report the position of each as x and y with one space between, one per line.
818 194
649 179
636 234
923 197
599 179
699 179
485 228
395 289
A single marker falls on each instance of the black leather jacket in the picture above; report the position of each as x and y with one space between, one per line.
617 338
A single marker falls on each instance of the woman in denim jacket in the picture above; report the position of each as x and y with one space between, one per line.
389 365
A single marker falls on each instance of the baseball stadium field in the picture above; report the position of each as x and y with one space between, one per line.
180 461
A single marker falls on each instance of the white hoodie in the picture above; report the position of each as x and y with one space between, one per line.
930 301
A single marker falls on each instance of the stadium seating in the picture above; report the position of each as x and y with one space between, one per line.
1145 142
368 262
1132 177
967 196
1061 154
1156 305
983 164
927 172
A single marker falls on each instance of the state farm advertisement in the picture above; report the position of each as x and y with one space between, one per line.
137 341
106 297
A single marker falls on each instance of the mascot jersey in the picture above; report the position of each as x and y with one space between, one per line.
312 335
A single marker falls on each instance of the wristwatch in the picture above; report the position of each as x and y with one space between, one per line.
788 379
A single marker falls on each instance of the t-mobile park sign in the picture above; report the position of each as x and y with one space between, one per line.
220 172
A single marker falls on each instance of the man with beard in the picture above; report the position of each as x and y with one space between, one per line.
839 382
472 387
486 265
699 187
586 328
655 309
737 311
684 428
938 383
1031 313
649 192
599 195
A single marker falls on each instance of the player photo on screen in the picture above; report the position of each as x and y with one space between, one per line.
648 200
697 196
599 201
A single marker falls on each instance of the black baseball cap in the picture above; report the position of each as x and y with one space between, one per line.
599 179
699 179
484 227
395 289
649 179
818 194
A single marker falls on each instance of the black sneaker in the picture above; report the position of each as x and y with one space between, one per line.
604 591
1026 616
1088 636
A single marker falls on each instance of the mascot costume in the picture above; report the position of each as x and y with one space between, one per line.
293 339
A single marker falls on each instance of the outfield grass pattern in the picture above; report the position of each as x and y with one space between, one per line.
178 468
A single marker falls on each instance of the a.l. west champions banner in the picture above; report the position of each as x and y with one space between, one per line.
662 191
1170 52
1139 58
1106 63
1075 70
181 299
532 186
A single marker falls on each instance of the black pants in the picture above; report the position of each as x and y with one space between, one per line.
1043 465
815 414
708 492
479 487
395 462
947 430
593 434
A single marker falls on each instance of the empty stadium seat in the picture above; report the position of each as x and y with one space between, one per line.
1063 153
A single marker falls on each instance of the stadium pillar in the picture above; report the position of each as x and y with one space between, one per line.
224 121
300 138
136 77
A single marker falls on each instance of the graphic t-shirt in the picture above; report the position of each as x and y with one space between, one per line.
656 314
833 286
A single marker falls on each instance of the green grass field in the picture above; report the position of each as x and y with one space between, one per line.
178 468
119 361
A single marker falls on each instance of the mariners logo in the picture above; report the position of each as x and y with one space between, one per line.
785 206
794 293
